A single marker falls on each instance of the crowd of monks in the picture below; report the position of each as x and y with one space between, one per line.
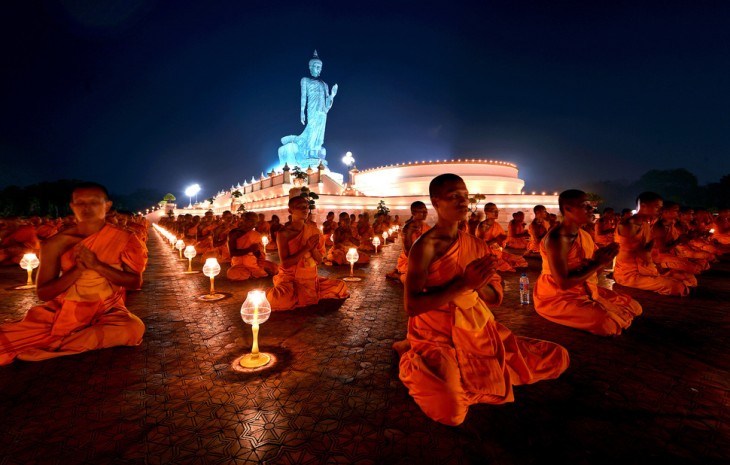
455 353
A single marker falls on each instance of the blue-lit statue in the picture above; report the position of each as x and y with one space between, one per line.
306 149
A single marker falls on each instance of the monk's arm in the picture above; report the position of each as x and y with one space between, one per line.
558 247
235 251
49 283
418 300
126 277
316 254
291 259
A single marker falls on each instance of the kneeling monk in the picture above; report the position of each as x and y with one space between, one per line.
82 278
567 291
459 355
248 257
297 284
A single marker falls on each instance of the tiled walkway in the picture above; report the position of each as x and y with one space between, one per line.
657 394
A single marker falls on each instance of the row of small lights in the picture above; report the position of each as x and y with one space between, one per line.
431 162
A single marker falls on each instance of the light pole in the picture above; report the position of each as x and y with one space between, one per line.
192 191
349 161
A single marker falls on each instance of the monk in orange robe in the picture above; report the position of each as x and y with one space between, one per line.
492 233
605 227
634 265
667 239
537 229
21 238
516 235
328 228
297 284
412 230
695 241
458 354
248 257
82 278
343 242
274 227
721 229
567 291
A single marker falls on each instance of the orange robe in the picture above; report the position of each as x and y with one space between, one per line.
248 266
635 268
514 242
299 285
402 265
18 243
459 355
533 246
505 261
585 306
89 315
601 238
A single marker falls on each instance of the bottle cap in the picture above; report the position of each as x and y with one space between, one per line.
524 274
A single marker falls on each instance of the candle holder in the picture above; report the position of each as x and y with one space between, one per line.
190 253
180 245
211 269
385 238
352 257
376 243
29 262
255 311
265 241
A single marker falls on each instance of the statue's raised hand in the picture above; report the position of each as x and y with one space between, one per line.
334 91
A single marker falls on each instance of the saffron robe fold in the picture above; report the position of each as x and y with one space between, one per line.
514 238
248 266
299 285
459 355
89 315
506 261
585 306
635 268
533 245
402 264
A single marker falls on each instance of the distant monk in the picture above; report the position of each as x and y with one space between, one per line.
328 228
605 228
20 239
567 291
343 242
537 229
248 257
459 355
667 239
721 233
634 265
473 223
516 234
492 233
412 230
297 284
82 278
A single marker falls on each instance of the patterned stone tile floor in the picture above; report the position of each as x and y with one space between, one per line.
657 394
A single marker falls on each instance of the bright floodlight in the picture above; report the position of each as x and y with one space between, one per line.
191 191
348 159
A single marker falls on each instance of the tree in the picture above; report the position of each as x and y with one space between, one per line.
300 175
169 198
475 201
678 185
310 197
382 209
234 196
594 199
210 201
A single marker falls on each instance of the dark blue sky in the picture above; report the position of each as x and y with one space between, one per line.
161 94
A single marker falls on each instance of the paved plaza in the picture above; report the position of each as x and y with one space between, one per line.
657 394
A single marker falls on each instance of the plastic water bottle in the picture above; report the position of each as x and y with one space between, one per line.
524 289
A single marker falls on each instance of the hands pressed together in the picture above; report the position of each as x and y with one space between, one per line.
606 254
479 272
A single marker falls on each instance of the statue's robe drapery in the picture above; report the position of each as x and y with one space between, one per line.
586 306
635 268
300 285
248 266
89 315
505 260
459 355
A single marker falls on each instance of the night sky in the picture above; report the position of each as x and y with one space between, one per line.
161 94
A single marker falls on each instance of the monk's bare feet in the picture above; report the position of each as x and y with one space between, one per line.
393 275
402 346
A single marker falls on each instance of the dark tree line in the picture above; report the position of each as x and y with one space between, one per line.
678 185
52 199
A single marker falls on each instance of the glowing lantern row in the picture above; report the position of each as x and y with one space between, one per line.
190 253
29 262
352 257
211 269
376 243
265 240
180 245
255 311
